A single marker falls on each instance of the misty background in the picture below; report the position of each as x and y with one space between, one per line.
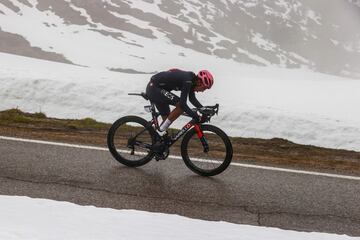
320 35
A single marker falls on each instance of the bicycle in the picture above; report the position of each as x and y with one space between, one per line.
131 141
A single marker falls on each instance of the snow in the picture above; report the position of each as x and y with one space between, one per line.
263 102
298 105
254 56
87 47
150 8
335 42
297 56
29 218
313 16
91 48
265 44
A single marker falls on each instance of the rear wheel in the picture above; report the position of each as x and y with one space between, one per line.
213 161
129 140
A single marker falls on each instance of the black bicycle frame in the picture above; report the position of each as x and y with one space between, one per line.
181 132
178 135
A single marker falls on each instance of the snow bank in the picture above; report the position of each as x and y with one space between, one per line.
298 105
27 218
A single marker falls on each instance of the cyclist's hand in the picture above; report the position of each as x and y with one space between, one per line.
207 111
204 118
197 120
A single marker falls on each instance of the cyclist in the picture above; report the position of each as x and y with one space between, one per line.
159 92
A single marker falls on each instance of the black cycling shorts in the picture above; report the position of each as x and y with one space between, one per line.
161 98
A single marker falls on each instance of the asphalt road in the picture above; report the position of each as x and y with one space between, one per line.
240 195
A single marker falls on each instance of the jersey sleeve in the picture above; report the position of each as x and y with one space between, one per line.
194 100
183 97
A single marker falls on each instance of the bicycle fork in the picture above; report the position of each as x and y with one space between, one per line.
202 138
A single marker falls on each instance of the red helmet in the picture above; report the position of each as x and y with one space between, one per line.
205 78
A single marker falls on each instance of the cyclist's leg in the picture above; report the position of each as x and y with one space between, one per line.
164 110
162 99
170 99
176 112
155 96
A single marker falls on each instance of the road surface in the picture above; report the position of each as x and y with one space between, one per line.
289 200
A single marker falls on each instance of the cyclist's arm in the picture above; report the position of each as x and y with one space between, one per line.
194 100
185 90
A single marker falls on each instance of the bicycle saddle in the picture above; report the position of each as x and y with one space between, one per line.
140 94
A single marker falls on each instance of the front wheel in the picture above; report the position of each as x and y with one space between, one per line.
130 139
208 161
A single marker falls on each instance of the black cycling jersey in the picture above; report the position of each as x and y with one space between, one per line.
177 80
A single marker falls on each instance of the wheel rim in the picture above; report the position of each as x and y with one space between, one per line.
211 160
123 146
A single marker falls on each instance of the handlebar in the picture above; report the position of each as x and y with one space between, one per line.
209 110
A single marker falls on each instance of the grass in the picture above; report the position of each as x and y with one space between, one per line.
17 116
87 123
276 151
14 116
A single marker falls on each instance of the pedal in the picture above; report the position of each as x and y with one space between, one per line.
163 155
159 157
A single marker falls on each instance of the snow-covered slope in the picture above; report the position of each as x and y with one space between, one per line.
28 218
144 35
298 105
117 45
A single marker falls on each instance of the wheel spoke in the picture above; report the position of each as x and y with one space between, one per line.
213 158
126 132
213 161
129 141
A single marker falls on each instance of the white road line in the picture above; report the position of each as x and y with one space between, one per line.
199 160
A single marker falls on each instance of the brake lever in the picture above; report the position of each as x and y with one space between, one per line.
217 109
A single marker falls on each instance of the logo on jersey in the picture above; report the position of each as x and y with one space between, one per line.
167 94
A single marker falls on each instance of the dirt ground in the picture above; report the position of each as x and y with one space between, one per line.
273 152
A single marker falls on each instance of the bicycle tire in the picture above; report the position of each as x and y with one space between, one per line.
190 163
121 155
